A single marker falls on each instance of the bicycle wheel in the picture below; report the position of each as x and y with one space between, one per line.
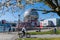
21 36
28 35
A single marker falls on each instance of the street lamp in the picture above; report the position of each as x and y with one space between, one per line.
18 23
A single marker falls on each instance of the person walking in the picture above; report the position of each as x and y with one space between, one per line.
55 29
9 29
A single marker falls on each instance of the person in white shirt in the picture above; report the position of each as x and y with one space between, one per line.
23 31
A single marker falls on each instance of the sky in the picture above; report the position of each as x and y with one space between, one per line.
9 16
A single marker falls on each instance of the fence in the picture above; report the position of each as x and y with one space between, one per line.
3 29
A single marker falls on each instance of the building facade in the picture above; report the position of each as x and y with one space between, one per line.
51 22
31 17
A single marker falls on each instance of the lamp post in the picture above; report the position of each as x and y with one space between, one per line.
18 23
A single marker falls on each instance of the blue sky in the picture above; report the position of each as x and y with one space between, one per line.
46 7
10 17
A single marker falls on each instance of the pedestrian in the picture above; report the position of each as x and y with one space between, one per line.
9 29
55 30
13 29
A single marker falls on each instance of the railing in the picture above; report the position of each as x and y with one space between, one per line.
3 29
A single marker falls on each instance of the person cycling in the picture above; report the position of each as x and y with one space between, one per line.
23 31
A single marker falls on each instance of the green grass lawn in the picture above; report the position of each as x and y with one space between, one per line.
38 39
36 33
48 32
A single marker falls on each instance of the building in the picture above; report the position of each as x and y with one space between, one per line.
51 22
5 25
31 17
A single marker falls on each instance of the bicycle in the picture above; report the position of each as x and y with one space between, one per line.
27 35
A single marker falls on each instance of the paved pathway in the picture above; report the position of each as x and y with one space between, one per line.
41 30
45 36
6 36
13 36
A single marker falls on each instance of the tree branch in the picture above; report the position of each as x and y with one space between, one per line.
51 4
56 1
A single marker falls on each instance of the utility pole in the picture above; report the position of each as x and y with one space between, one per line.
18 23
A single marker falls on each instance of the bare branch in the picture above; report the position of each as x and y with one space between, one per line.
51 4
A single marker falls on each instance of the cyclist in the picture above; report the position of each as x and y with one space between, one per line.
23 31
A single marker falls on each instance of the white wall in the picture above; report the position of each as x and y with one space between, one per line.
45 22
53 20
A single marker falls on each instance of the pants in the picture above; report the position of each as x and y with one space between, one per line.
23 33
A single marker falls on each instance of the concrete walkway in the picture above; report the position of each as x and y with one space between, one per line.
41 30
45 36
13 35
6 36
